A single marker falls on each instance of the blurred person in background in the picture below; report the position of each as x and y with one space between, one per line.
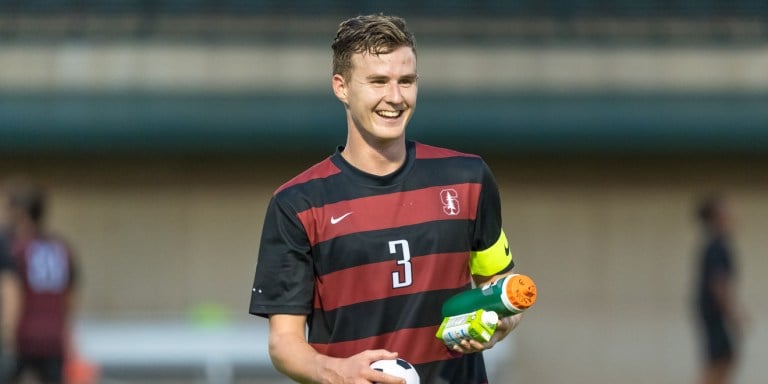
46 271
719 316
9 305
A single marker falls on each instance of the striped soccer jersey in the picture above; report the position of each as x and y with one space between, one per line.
370 259
47 273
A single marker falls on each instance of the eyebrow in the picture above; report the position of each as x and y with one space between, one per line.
411 76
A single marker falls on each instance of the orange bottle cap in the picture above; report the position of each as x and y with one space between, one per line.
521 291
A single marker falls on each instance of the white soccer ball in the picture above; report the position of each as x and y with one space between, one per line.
398 368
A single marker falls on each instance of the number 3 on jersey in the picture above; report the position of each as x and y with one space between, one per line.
406 278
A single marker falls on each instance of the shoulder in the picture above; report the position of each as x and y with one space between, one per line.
471 166
57 240
43 244
424 151
321 170
449 156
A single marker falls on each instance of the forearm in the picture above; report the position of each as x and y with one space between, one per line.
482 280
295 358
11 307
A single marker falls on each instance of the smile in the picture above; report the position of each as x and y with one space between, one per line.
389 114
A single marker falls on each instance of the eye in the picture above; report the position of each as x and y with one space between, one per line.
378 81
407 81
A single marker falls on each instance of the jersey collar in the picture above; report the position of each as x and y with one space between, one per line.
366 178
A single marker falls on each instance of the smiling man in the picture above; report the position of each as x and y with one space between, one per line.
364 247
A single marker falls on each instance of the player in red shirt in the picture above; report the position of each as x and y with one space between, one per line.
46 270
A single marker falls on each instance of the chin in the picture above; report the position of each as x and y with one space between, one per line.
388 134
389 130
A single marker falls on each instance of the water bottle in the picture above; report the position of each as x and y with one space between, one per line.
507 296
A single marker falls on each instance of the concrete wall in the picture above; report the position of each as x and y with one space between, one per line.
610 243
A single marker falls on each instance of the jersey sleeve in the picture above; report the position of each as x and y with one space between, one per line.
490 249
284 280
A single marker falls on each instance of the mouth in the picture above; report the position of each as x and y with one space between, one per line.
392 115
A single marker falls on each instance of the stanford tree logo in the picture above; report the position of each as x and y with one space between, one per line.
450 199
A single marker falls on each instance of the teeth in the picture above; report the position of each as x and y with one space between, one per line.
389 113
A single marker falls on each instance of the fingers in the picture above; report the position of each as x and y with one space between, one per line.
471 346
379 354
374 376
382 378
503 328
377 376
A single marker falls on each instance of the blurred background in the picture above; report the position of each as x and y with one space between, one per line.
162 127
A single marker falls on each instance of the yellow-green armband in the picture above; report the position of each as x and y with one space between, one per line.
492 260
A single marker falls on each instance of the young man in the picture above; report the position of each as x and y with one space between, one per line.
365 246
719 314
46 272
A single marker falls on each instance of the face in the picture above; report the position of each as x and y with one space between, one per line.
380 93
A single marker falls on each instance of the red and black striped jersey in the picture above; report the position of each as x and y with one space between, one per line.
47 273
371 259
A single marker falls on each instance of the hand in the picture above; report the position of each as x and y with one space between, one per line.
505 326
357 369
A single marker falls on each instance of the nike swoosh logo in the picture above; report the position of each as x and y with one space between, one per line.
336 220
506 249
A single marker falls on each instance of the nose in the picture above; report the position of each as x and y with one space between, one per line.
394 95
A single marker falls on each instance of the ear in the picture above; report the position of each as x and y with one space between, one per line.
339 85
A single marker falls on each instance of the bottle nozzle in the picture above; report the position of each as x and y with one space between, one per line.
521 291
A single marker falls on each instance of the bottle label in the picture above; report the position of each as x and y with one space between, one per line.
487 290
470 326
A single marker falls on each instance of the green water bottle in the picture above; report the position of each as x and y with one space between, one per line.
507 296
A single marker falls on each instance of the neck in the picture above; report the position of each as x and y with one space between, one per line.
377 157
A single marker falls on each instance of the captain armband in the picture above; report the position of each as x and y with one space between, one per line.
492 260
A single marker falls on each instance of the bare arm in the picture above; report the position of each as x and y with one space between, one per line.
11 308
294 357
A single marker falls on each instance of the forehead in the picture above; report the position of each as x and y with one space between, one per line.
401 61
